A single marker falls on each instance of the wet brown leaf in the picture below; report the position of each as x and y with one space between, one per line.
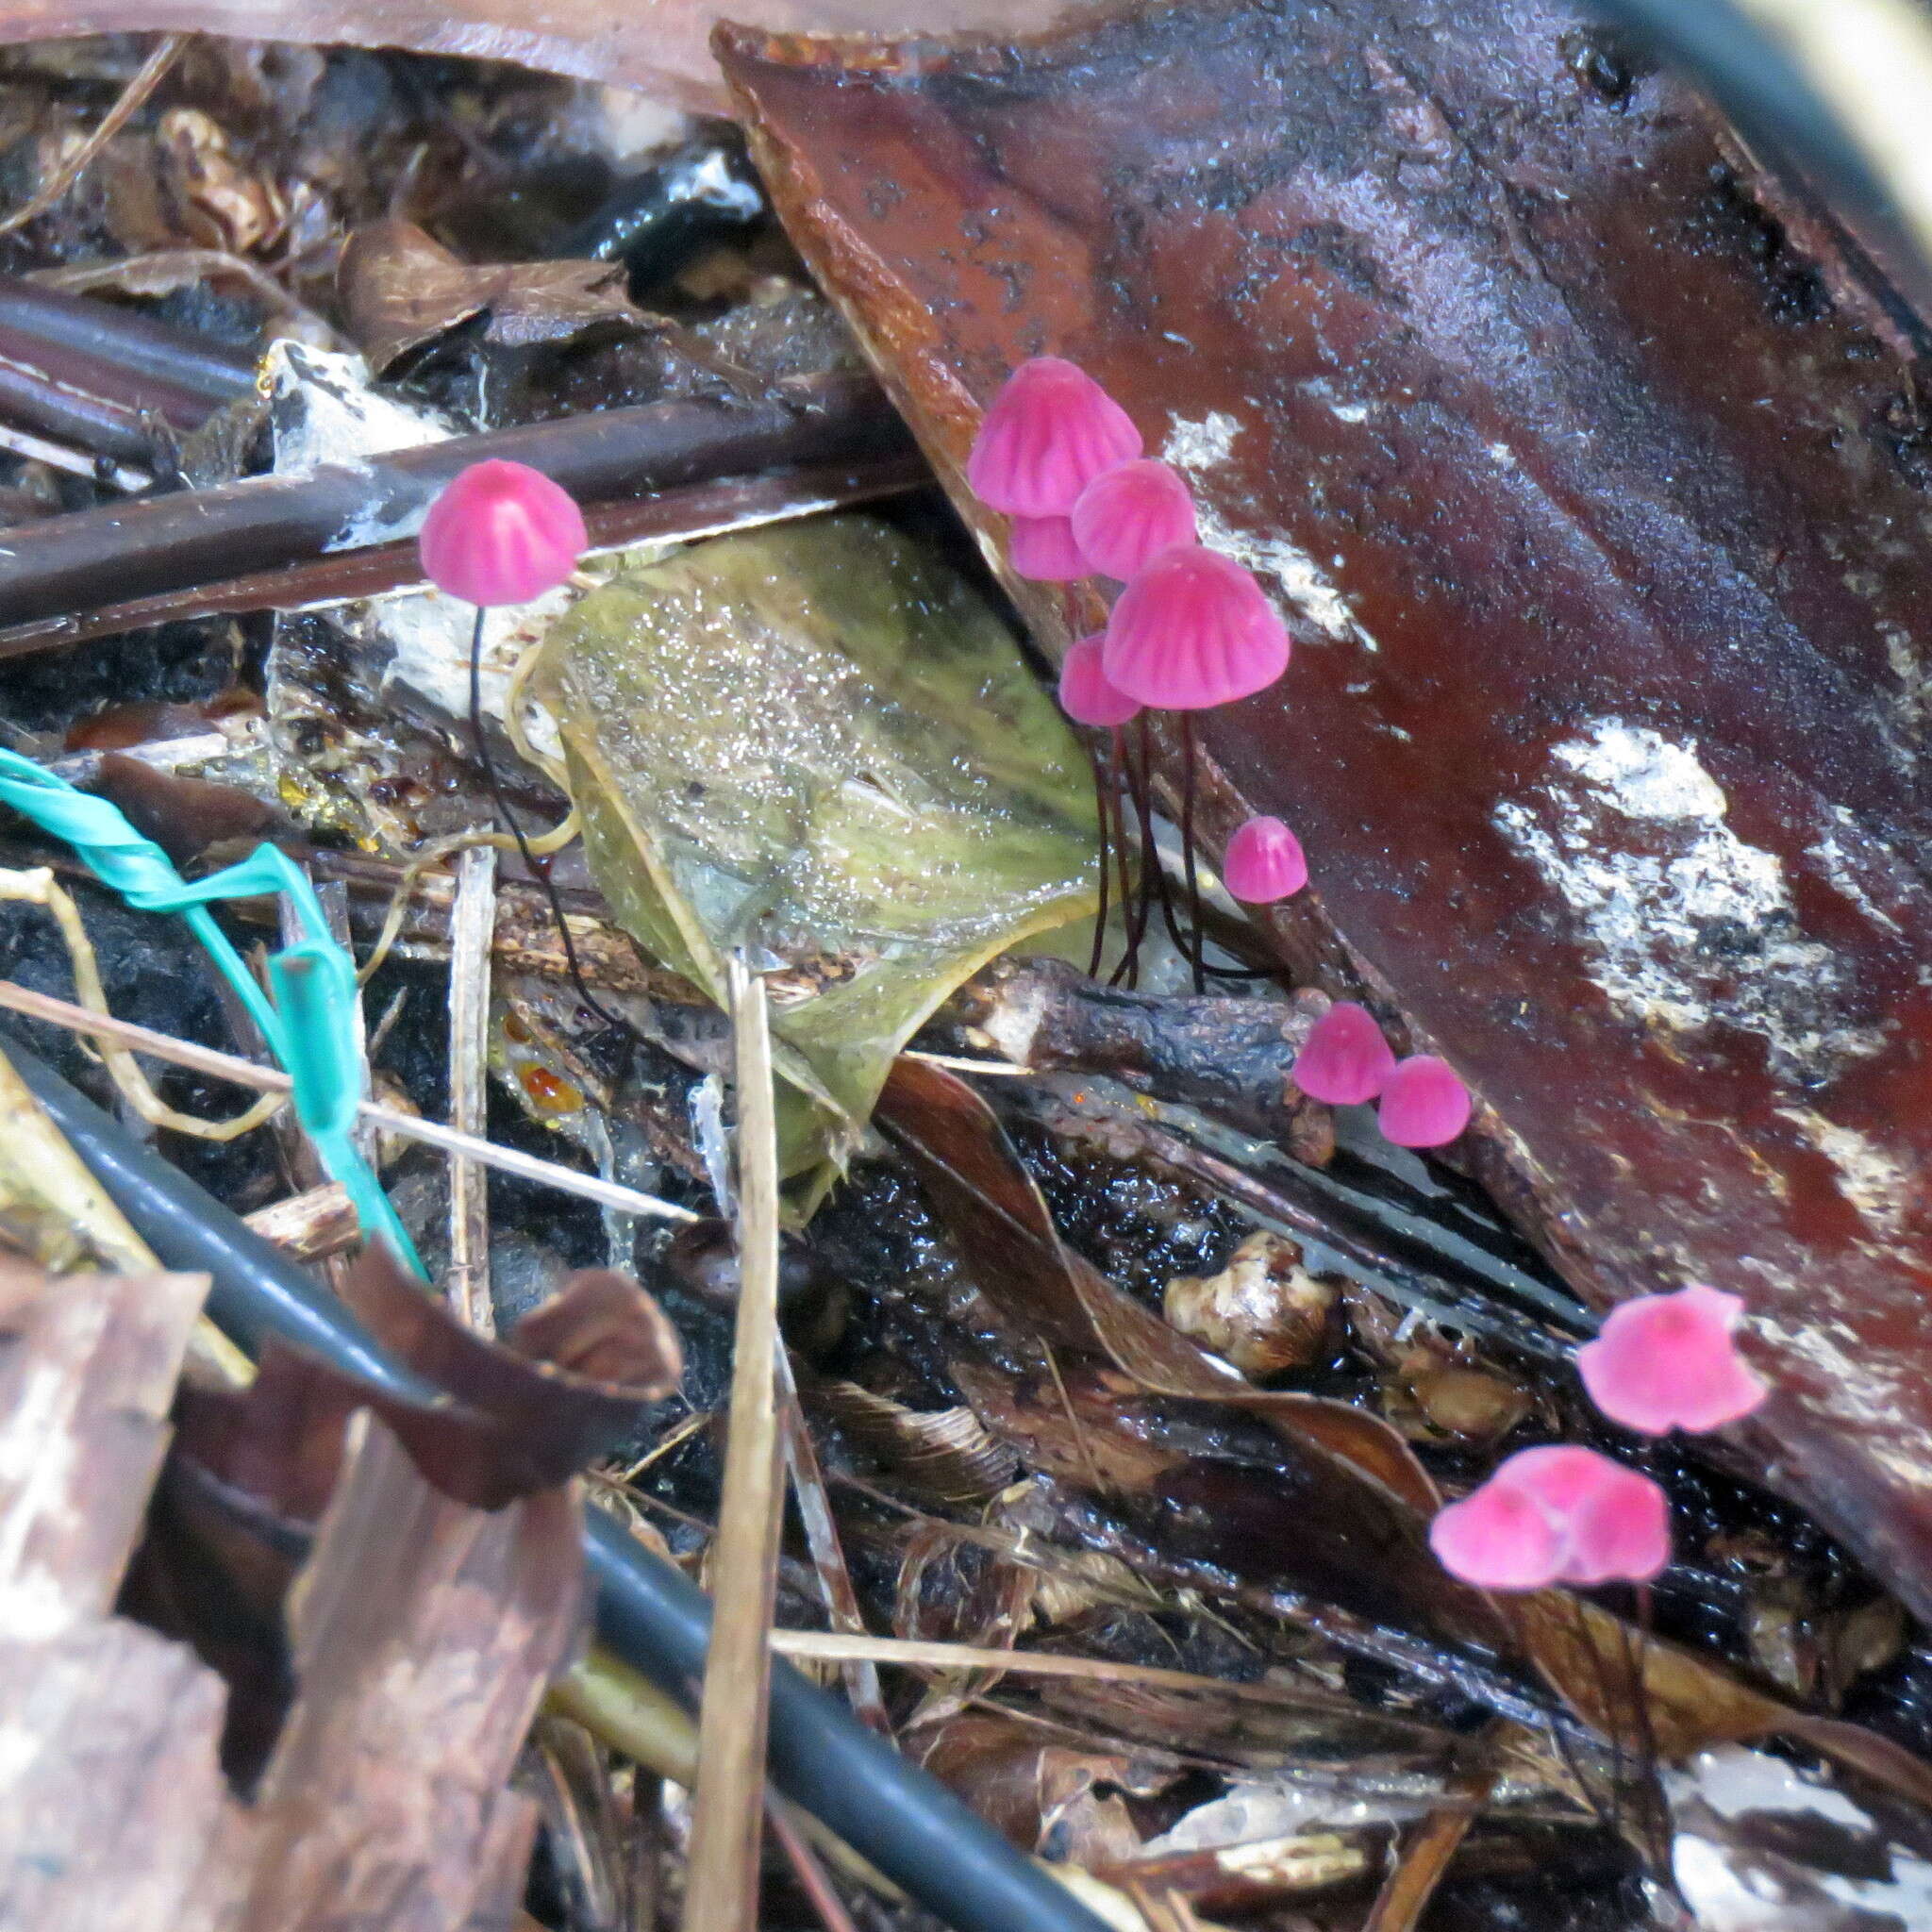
1605 733
1002 1224
183 816
1690 1703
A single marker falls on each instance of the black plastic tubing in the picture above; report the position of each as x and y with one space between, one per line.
906 1823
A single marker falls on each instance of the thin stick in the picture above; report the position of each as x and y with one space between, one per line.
226 1066
471 929
810 1874
147 78
835 1646
727 1804
828 1553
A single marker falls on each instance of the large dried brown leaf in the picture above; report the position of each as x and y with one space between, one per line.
1605 532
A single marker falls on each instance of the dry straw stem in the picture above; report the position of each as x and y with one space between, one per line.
728 1812
226 1066
471 927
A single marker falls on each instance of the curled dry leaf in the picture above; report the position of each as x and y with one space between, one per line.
576 1376
1024 1782
1264 1312
402 291
945 1455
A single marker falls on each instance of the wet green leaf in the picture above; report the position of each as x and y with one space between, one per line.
818 743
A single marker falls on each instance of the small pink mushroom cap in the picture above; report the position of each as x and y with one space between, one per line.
1044 548
1194 629
1344 1060
1561 1514
1130 514
1050 431
1423 1103
1671 1361
501 533
1086 696
1264 863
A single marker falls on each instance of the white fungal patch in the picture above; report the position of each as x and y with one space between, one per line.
324 411
1197 448
1687 927
1877 1183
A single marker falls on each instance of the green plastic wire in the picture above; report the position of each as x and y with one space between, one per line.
309 1022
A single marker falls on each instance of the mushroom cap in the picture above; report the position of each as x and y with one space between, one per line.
1086 696
1425 1103
1264 863
1130 514
501 533
1048 433
1671 1361
1344 1060
1193 629
1043 549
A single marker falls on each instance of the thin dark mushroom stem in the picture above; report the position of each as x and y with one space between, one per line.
1102 785
1188 863
539 864
1128 972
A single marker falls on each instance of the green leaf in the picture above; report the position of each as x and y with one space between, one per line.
818 743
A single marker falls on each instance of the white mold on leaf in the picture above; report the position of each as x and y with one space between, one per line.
1687 926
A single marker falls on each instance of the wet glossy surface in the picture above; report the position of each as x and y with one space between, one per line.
1605 539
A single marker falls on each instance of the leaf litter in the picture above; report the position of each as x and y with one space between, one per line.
824 742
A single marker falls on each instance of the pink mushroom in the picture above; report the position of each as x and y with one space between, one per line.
1043 548
1671 1361
1086 696
1193 629
1130 514
1344 1060
1423 1103
1264 863
1561 1514
1050 431
501 533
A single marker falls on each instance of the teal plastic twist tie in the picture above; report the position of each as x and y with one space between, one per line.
308 1023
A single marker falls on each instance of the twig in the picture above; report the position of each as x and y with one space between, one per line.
310 1225
227 1066
810 1874
1426 1851
146 78
727 1804
828 1646
828 1553
701 509
473 925
65 564
57 455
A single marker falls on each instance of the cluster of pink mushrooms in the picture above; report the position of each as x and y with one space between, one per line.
1191 629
